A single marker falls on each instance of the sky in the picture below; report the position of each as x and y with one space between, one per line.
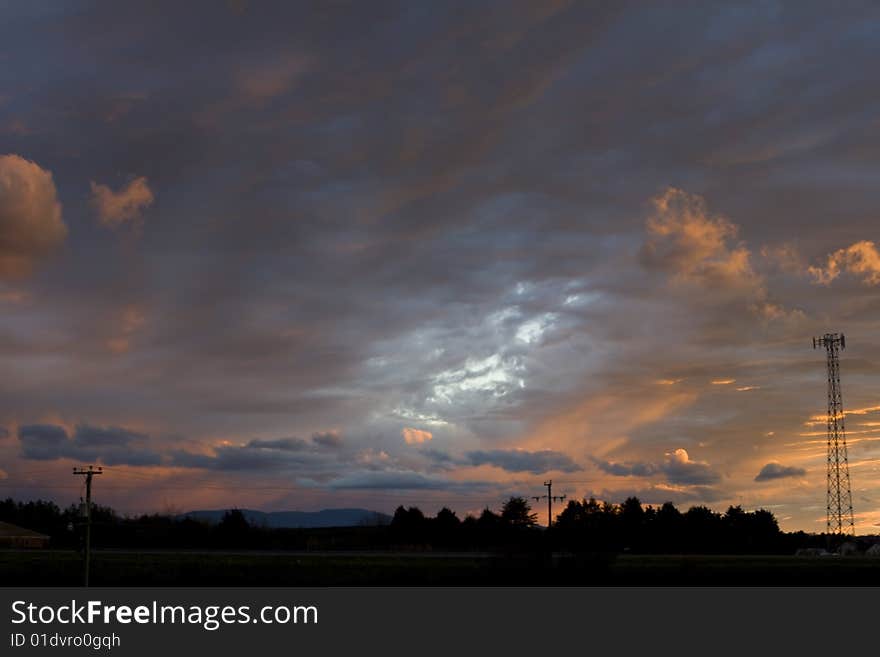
308 255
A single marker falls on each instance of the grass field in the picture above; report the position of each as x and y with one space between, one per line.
37 568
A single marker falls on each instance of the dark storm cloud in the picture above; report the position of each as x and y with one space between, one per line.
515 460
109 445
627 469
327 439
43 442
438 456
286 444
677 468
89 436
257 455
773 471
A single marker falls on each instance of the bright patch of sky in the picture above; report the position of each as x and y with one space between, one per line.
494 375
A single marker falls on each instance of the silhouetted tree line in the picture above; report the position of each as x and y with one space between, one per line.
513 528
630 526
582 526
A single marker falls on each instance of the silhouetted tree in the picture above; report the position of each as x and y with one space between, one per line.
446 520
518 513
632 516
668 524
234 521
489 521
409 525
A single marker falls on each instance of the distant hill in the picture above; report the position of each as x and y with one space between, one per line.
298 519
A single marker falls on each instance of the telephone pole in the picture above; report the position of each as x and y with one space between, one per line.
88 473
839 494
550 497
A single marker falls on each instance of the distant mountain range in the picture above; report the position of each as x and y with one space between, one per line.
298 519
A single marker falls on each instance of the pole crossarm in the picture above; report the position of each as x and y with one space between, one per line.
550 497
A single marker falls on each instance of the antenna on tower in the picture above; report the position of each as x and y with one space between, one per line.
839 493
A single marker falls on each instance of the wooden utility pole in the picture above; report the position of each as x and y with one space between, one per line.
89 472
550 499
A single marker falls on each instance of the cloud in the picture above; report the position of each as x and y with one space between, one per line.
775 470
661 493
415 436
284 444
281 454
438 456
627 469
678 468
43 442
520 460
269 79
694 246
90 436
399 480
31 227
784 257
116 208
109 445
860 259
126 325
234 458
327 439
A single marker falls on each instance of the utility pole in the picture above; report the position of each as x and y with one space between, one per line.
550 497
89 472
839 493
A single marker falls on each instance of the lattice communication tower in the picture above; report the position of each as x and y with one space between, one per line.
839 494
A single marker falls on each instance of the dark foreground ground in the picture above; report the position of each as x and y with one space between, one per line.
161 568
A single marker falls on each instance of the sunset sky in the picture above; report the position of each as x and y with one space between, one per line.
311 255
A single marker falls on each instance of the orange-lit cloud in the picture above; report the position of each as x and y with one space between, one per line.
31 227
860 259
685 239
415 436
130 320
116 208
13 296
723 382
270 79
785 257
603 423
822 419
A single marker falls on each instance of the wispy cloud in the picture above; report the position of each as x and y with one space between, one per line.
125 205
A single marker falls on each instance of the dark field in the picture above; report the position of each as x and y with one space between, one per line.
59 568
